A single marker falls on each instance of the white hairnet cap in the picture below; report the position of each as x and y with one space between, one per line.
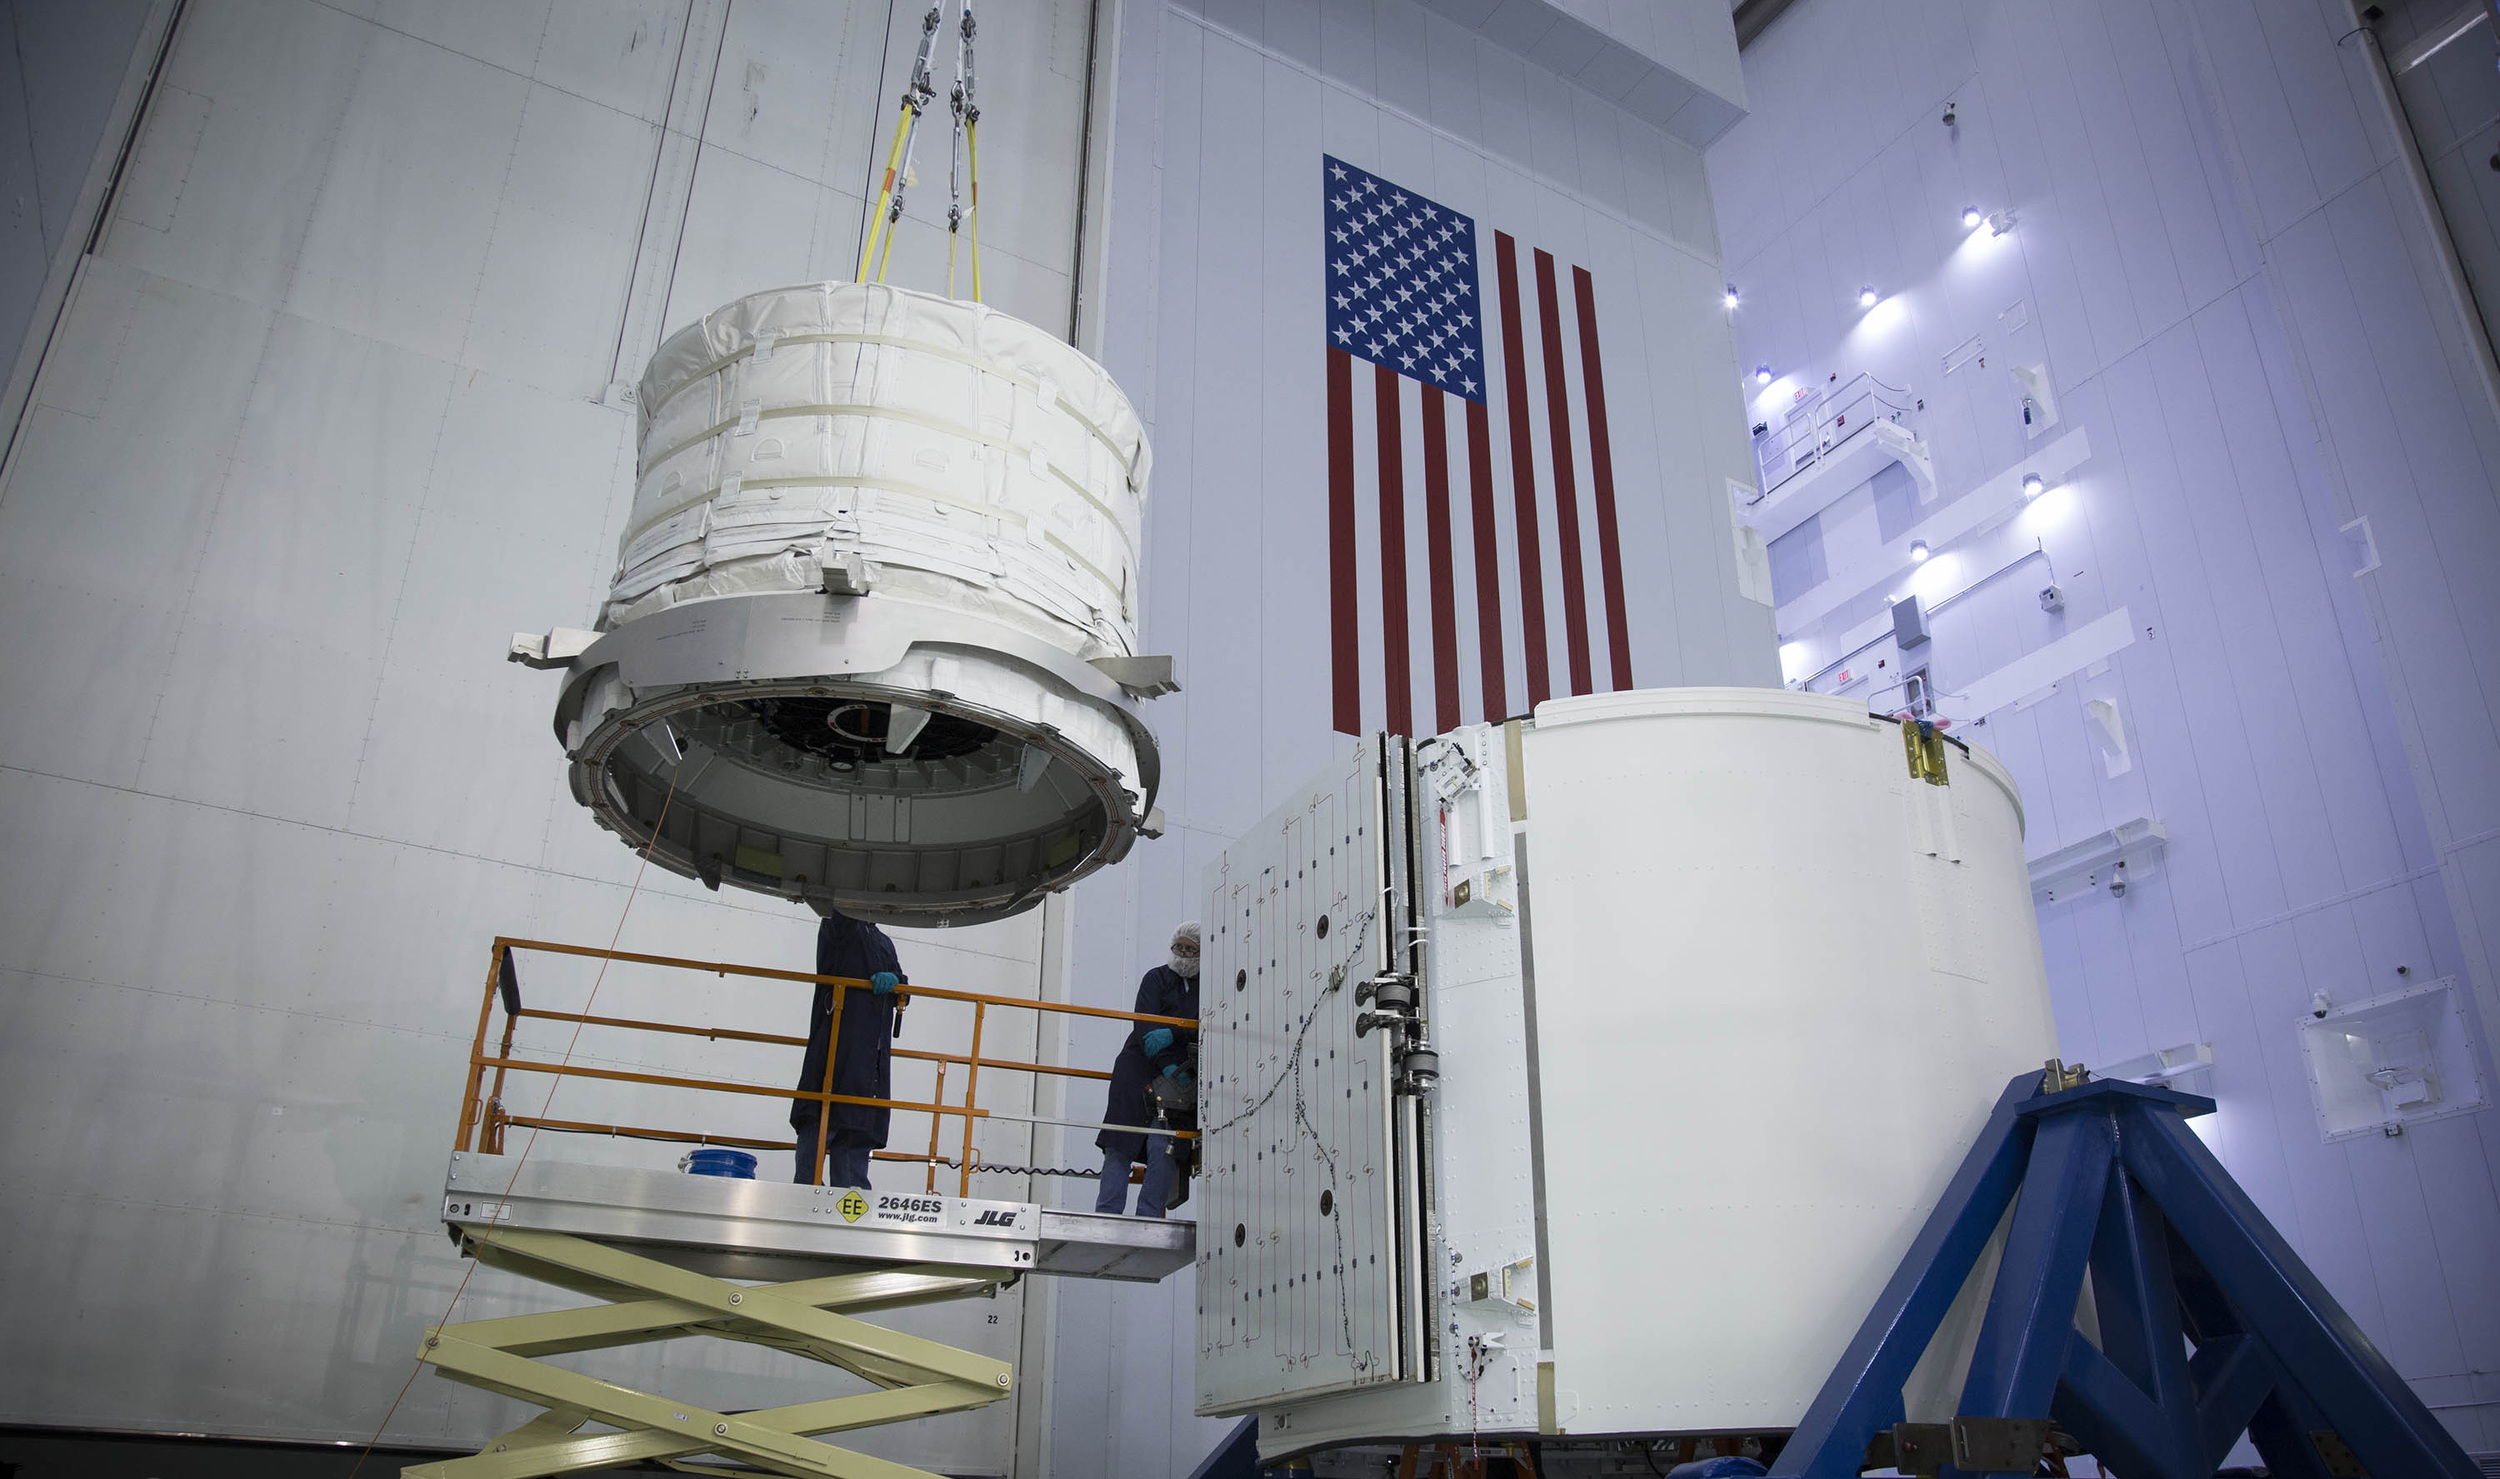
1188 932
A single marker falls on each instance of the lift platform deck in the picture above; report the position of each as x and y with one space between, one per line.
731 1229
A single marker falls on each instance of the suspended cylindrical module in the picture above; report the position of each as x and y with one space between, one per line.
871 643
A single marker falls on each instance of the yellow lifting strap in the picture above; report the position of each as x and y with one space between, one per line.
916 95
885 192
972 148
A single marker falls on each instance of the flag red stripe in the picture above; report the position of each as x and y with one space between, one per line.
1488 561
1437 537
1344 582
1602 473
1393 609
1522 469
1566 479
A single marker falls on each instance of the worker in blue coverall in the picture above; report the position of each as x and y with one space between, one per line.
1169 990
863 1053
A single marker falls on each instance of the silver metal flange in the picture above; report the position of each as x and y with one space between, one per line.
892 760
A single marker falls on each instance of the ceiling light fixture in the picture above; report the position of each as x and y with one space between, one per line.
1762 374
2034 485
1972 216
1868 297
1918 550
1731 295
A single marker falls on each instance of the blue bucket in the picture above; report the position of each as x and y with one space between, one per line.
713 1160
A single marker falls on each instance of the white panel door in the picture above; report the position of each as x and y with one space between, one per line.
1300 1272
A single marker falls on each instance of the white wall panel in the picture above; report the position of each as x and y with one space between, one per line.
321 430
556 269
398 235
294 596
2214 270
616 53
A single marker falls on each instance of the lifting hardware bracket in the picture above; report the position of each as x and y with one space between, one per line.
1925 748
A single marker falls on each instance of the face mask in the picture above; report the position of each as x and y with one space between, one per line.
1185 967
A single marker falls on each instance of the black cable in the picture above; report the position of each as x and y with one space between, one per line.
1302 1118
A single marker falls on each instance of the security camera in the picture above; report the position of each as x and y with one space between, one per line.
1948 115
2118 882
2052 599
2319 1006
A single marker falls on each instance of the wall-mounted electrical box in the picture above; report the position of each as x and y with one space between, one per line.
1909 623
2380 1065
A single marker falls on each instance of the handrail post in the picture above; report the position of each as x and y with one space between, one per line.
494 1097
824 1107
477 1053
972 1082
937 1119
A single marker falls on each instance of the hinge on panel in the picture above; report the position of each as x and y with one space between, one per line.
1925 748
1392 997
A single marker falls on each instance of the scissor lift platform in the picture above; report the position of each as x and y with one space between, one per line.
770 1263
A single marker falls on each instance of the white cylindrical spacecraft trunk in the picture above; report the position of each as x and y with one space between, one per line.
871 642
1780 983
1722 984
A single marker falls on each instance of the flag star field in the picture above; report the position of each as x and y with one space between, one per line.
1402 281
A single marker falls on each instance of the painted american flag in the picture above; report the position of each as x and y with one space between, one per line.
1407 297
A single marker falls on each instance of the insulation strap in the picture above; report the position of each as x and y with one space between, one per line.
914 418
889 485
1126 460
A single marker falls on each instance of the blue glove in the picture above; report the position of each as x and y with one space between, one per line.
1178 1075
884 982
1158 1040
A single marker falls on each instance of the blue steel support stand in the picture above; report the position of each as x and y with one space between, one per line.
2107 1177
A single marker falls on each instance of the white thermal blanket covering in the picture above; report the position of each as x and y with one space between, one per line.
973 460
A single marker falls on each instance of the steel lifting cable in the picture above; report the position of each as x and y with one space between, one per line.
917 94
967 124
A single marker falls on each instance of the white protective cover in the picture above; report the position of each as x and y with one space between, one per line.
971 459
1779 985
